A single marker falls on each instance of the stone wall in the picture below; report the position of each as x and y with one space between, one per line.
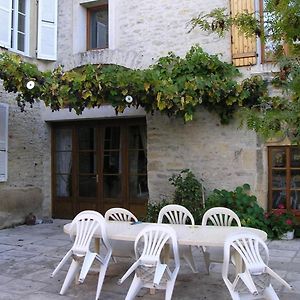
223 156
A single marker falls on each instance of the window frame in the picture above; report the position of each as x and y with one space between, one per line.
89 11
288 178
14 32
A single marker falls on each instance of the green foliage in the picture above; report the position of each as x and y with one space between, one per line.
250 212
153 210
174 86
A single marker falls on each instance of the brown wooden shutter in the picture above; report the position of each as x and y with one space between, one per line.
243 49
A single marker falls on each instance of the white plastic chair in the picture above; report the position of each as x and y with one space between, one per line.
83 226
121 248
150 272
217 216
177 214
254 281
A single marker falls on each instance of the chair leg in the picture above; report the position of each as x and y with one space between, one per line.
101 277
270 294
206 260
61 263
87 263
73 270
135 286
169 289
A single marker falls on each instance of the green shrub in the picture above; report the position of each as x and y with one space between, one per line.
153 210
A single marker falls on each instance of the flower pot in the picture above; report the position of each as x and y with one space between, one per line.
289 235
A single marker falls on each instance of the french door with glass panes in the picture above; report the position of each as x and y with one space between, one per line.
99 165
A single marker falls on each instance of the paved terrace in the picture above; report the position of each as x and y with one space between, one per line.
28 255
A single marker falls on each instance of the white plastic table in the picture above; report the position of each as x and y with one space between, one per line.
196 235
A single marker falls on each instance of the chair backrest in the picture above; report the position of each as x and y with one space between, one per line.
249 247
153 238
85 224
175 214
220 216
120 214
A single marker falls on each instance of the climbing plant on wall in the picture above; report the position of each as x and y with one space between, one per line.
175 86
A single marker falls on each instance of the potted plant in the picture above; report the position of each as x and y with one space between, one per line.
281 223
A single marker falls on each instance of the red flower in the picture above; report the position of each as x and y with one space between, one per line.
289 222
280 206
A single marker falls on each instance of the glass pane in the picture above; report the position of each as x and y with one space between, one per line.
279 179
295 179
138 187
137 137
63 139
22 6
21 23
21 41
278 158
295 199
295 157
279 199
87 162
86 138
112 186
63 185
137 162
63 162
111 162
87 186
99 28
112 138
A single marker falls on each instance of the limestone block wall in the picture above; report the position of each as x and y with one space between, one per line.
28 156
221 155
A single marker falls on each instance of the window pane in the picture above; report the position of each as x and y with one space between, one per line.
99 28
112 186
137 162
63 185
63 162
112 138
86 138
21 42
278 158
87 186
279 179
21 23
22 6
111 163
63 139
137 137
295 157
87 162
138 187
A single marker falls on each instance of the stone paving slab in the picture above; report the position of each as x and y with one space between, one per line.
28 255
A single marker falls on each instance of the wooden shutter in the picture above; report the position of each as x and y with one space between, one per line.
3 141
244 52
5 27
47 30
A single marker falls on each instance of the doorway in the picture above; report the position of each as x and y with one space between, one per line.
98 165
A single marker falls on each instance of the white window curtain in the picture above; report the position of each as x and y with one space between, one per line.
3 141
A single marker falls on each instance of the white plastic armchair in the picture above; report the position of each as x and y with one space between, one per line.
254 281
217 216
121 248
178 214
83 227
150 272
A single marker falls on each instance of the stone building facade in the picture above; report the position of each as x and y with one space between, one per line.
139 33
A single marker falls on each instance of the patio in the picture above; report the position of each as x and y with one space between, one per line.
28 255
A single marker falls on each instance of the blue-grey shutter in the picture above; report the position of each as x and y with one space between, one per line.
47 30
5 23
3 141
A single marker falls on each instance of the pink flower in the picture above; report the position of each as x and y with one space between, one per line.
289 222
280 206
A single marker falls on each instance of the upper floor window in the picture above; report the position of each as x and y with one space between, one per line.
97 27
24 25
19 25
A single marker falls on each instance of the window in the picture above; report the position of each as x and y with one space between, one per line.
18 30
97 27
284 177
3 141
19 25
